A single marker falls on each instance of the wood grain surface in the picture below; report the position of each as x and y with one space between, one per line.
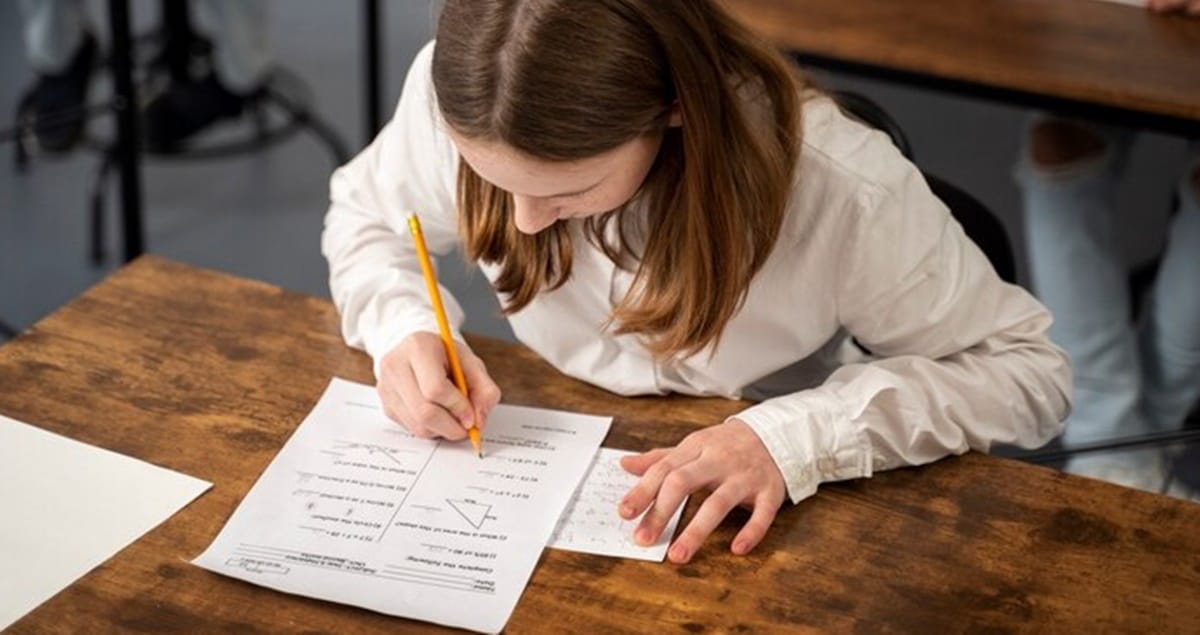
1083 50
209 374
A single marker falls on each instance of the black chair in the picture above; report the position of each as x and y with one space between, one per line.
978 222
865 109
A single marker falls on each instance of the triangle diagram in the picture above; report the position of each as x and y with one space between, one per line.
472 512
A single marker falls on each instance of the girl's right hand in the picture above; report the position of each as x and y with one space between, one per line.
417 390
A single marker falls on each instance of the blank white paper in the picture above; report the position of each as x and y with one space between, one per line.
68 507
591 523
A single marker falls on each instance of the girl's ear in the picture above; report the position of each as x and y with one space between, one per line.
675 117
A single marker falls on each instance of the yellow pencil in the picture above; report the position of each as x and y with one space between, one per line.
414 225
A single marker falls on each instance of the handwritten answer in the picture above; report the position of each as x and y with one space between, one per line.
591 523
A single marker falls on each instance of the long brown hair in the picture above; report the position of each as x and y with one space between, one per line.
564 80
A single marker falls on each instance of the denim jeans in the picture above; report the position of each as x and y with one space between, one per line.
1129 378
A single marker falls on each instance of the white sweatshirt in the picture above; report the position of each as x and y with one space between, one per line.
961 359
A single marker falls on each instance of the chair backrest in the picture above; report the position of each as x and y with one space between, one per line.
865 109
978 222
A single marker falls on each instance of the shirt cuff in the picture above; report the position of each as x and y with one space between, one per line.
380 344
812 439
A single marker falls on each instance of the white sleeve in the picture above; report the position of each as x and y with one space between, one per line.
963 360
374 274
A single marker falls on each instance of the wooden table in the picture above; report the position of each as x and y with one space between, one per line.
209 374
1084 57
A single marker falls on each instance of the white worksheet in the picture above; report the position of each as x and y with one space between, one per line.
591 523
68 507
354 509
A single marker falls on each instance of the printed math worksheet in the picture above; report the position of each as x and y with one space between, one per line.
356 510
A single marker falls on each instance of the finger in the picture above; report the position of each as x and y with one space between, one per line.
642 494
710 514
430 417
436 386
637 464
400 414
676 487
485 394
393 405
755 529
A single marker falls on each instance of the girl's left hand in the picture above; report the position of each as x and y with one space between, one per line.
730 460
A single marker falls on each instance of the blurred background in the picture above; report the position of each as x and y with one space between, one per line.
259 214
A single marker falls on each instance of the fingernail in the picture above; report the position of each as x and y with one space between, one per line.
643 536
680 554
740 547
626 510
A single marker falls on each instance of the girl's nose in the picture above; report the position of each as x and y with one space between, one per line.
532 215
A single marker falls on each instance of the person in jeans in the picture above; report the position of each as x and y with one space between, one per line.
1130 378
62 49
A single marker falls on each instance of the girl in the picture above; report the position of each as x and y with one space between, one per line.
663 206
